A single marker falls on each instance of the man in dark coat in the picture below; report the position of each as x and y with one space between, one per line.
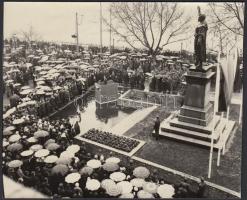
157 127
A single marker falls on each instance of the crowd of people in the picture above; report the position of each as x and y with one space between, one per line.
41 153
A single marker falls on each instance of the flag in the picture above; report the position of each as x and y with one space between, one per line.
228 67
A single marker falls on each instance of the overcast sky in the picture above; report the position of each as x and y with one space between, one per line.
56 21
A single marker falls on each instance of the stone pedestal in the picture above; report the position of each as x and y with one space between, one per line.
197 109
194 122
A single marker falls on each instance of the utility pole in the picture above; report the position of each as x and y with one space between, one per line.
181 50
113 44
110 32
77 35
100 28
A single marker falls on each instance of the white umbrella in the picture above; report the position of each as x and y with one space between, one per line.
126 187
25 87
26 92
51 159
67 154
18 121
42 153
73 148
92 184
26 153
72 178
94 163
166 191
117 176
113 160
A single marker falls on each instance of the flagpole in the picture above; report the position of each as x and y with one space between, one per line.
214 114
241 105
220 141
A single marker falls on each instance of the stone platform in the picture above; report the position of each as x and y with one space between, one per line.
172 128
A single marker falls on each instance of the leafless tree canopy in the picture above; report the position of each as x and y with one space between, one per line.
230 16
153 25
30 35
226 22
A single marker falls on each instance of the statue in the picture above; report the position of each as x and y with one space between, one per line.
200 41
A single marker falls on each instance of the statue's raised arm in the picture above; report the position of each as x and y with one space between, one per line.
200 40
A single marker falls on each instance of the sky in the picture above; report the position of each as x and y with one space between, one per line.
56 21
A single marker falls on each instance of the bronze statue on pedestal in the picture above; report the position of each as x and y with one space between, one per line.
200 41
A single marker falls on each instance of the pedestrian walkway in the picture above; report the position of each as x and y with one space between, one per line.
131 120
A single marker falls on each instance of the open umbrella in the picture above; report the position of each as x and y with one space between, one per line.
113 160
144 195
25 87
126 187
94 163
9 112
51 159
9 128
14 147
18 121
40 92
52 146
60 169
117 176
106 182
72 178
137 182
14 138
15 163
41 153
32 140
26 153
7 132
141 172
5 143
92 184
113 190
57 88
67 154
166 191
26 92
36 147
40 133
64 160
86 171
110 166
150 187
73 148
49 141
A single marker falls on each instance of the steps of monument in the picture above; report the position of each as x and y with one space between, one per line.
188 126
197 112
188 140
192 136
189 133
195 121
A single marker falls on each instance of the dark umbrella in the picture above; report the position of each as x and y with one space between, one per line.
60 169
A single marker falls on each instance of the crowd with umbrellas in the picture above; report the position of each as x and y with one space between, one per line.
41 153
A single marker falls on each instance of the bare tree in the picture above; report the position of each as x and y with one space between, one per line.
226 22
153 25
229 15
30 35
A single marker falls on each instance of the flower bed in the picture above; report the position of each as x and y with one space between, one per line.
115 141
